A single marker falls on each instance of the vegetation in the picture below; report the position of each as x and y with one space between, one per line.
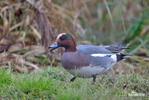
53 83
29 71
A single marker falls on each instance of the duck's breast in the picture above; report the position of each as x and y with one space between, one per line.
74 60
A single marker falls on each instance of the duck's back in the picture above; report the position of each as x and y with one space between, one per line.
90 49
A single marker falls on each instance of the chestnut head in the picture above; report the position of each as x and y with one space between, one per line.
64 40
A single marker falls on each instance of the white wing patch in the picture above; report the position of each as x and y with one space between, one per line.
113 56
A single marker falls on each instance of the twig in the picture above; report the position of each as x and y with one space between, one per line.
109 12
36 50
22 61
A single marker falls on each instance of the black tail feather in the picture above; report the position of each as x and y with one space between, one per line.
121 56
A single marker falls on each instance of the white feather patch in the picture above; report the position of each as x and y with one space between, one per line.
113 56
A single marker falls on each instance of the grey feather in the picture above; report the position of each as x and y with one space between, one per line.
115 47
96 61
90 49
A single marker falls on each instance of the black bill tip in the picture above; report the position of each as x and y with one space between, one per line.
53 46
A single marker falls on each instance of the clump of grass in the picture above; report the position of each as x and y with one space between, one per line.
5 79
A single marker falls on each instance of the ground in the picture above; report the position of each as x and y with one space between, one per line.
54 83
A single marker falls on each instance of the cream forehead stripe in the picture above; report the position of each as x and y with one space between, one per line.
61 34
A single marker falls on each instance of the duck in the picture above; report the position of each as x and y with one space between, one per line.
87 61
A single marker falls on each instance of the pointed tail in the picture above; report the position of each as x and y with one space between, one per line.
121 56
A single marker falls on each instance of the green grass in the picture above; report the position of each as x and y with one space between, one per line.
53 83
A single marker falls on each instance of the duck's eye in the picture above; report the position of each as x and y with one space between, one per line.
63 37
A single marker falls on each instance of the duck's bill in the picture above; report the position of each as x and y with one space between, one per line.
53 46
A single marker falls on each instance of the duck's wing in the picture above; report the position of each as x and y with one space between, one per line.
91 49
102 60
98 55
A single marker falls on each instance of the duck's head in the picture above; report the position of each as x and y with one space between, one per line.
64 40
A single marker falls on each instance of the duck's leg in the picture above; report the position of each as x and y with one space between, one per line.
94 78
71 80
